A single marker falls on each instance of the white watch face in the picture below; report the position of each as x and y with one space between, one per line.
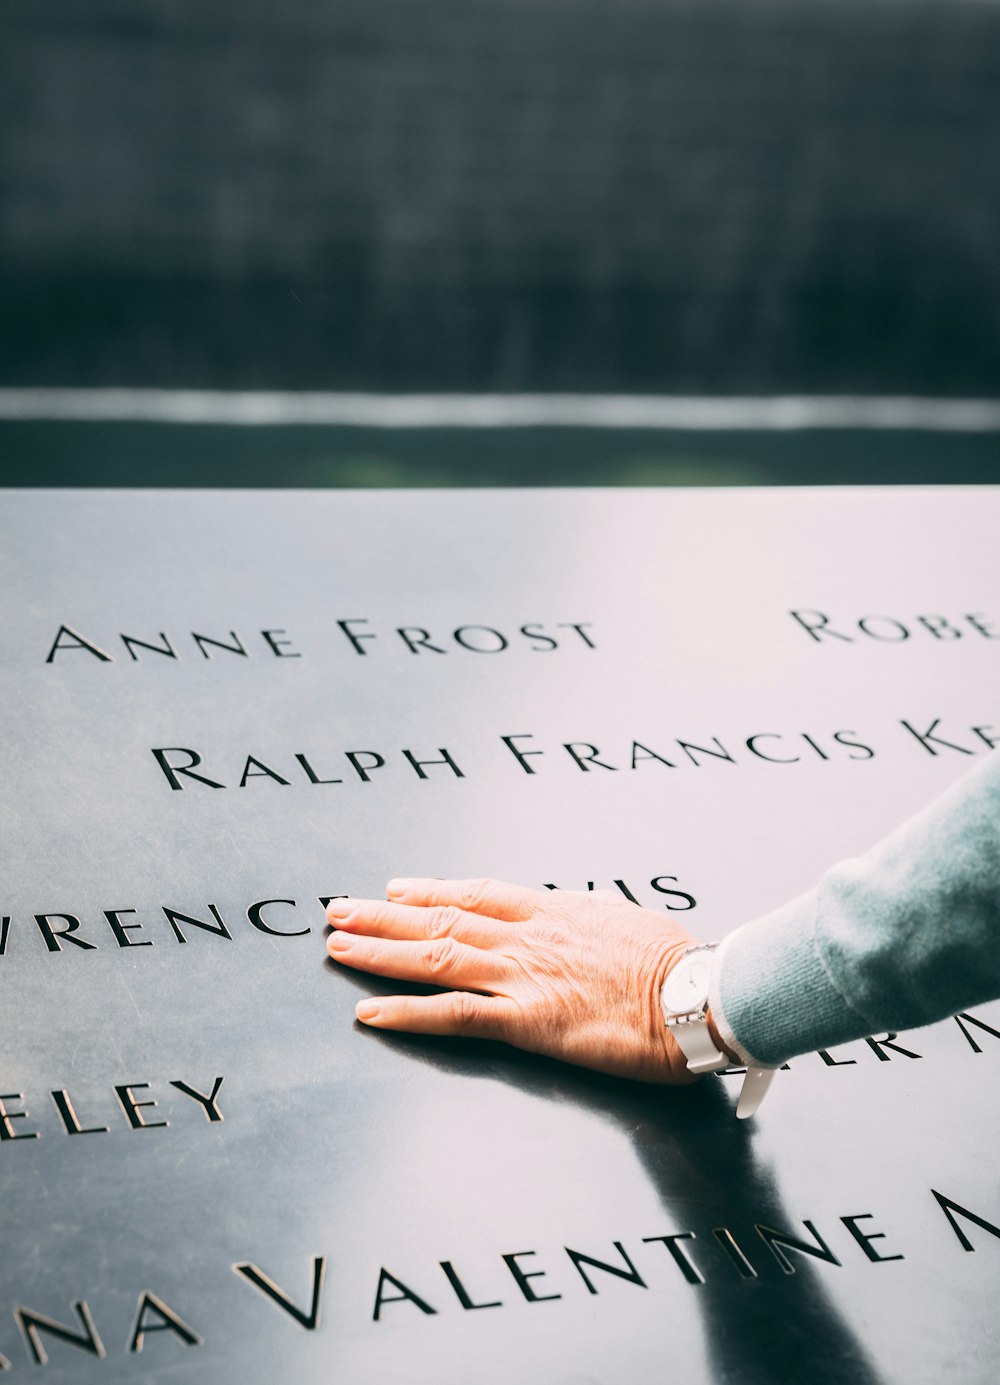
686 988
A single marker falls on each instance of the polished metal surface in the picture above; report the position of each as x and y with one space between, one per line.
348 1165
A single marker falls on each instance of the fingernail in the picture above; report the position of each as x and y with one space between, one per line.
367 1010
397 887
340 908
338 942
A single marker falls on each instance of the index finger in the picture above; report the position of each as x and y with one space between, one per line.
493 898
411 922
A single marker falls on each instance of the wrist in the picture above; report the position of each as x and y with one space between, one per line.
734 1058
674 1061
670 959
684 1000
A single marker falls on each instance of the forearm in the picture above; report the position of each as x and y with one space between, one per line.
899 937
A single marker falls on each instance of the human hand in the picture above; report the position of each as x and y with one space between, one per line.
570 975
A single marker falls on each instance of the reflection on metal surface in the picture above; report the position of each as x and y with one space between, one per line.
209 1171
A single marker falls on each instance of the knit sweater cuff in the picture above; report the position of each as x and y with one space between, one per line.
772 995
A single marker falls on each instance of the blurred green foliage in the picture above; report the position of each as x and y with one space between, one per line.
146 454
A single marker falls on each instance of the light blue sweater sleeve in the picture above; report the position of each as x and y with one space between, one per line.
899 937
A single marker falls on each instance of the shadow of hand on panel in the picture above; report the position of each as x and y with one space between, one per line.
762 1326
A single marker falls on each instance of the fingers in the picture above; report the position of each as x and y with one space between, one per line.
408 922
440 962
494 898
454 1013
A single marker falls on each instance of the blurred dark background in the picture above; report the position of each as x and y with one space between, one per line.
714 197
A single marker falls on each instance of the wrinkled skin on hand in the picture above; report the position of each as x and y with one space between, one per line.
570 975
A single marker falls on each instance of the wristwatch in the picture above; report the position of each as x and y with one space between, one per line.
684 1001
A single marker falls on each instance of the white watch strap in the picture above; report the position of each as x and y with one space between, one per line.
753 1091
696 1043
694 1038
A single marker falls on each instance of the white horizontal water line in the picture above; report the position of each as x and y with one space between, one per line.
700 413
